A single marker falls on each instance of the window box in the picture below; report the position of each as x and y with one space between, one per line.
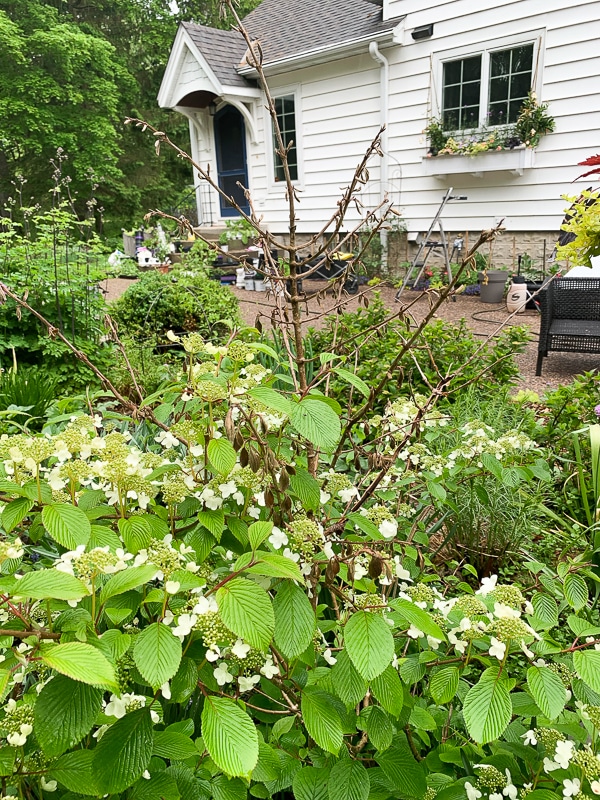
514 161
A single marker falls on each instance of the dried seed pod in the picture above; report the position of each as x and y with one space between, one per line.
351 572
284 481
333 567
287 503
238 442
375 567
290 469
258 324
229 426
244 457
269 499
253 461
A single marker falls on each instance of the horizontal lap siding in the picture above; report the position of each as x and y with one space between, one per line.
569 83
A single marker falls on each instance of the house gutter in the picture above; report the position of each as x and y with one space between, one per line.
380 59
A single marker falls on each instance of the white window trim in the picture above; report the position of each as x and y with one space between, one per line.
272 184
536 37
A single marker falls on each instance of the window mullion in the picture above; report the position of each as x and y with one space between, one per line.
484 97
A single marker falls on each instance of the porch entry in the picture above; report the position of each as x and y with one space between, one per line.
230 142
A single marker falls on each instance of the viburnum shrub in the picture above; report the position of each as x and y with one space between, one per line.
228 611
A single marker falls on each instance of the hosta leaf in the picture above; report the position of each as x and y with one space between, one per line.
81 662
322 719
587 664
66 524
247 611
576 591
221 455
230 736
349 780
157 653
124 752
387 688
65 712
404 773
45 584
443 684
369 642
547 690
487 709
316 422
310 783
294 619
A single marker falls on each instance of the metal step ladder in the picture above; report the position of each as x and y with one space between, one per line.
415 271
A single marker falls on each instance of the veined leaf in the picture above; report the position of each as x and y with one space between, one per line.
66 524
173 745
65 712
127 579
444 684
310 783
159 786
246 610
378 726
258 532
404 773
157 653
74 771
81 662
576 591
587 664
388 689
272 565
136 533
306 488
15 512
322 720
230 736
487 709
547 690
348 685
124 752
317 422
294 619
369 643
353 380
349 780
272 399
417 617
221 455
46 584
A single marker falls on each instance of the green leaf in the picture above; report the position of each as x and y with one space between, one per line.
487 709
160 786
267 767
545 608
576 591
417 617
349 780
224 788
136 533
547 690
64 713
75 772
322 720
246 610
581 627
369 642
317 422
399 766
306 489
190 787
185 681
124 752
15 512
221 455
272 399
491 463
353 380
157 653
7 760
271 564
66 524
127 579
81 662
587 664
114 644
444 684
230 736
388 689
173 745
294 619
213 520
378 726
258 532
349 686
45 584
310 783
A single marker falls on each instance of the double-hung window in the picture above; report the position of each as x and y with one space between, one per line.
486 88
285 107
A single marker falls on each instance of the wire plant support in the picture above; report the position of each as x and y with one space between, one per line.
429 245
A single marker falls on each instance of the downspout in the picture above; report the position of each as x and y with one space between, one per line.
384 171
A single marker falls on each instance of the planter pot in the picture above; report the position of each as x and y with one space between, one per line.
259 286
493 290
249 284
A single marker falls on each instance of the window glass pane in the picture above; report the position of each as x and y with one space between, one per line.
286 119
520 85
499 89
500 63
522 58
510 81
461 93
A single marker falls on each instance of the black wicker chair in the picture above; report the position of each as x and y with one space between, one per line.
570 317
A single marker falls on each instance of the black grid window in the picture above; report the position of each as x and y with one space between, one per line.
510 82
286 117
462 93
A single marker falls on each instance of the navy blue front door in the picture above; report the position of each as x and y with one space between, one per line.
230 140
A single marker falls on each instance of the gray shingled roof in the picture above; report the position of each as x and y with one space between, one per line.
287 28
222 49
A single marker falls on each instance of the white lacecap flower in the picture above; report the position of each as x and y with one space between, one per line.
154 716
564 753
529 738
222 674
529 653
414 632
278 538
472 792
247 684
328 550
503 611
346 495
240 649
165 690
172 587
254 512
48 786
571 788
510 790
291 555
388 528
213 653
205 604
329 657
497 648
487 585
324 497
595 786
269 669
550 766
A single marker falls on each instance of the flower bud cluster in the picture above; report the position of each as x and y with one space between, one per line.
17 724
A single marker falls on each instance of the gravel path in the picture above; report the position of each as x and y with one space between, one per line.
482 318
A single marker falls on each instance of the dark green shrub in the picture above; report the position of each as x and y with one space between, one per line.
442 349
178 301
27 390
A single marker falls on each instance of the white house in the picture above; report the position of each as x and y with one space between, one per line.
339 69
